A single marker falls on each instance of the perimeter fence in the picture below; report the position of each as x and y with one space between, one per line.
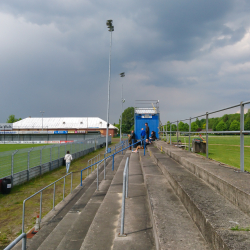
241 132
24 164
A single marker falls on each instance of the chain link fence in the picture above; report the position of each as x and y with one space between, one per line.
24 164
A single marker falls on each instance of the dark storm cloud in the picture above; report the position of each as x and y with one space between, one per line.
54 54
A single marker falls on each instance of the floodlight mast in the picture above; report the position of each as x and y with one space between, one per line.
42 118
123 100
110 26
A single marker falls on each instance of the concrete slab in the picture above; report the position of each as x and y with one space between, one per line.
212 213
138 226
233 185
102 230
51 234
174 228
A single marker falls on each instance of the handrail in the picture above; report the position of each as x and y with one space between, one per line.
41 192
99 162
124 196
14 242
241 131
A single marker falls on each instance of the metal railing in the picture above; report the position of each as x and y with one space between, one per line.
124 196
41 198
240 132
122 144
126 146
13 162
14 242
23 235
91 161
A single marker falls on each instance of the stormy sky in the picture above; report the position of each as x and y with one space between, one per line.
193 56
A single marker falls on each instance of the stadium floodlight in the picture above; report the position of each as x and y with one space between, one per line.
42 118
123 100
110 26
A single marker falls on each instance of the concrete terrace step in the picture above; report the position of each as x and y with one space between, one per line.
77 232
229 182
138 226
173 226
213 214
101 232
54 230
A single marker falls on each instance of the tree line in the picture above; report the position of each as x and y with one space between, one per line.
227 122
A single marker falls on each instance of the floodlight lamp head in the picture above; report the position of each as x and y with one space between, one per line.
109 23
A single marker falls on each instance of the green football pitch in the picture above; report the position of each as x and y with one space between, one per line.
23 159
10 147
225 149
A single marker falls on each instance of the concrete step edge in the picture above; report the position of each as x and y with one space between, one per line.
92 226
234 194
215 237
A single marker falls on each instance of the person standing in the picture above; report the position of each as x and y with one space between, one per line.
129 141
68 158
147 130
133 136
143 134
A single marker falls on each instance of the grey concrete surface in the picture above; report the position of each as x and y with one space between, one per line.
213 214
102 230
174 227
231 183
74 206
138 226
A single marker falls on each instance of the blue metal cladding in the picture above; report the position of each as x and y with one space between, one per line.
153 124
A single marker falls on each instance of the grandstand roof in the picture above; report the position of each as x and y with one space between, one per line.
62 123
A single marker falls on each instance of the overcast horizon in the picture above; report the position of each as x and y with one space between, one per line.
192 56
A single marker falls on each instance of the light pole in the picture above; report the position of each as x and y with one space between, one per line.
42 118
123 100
110 29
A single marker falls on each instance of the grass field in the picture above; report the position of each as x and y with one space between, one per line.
20 159
10 147
11 205
225 149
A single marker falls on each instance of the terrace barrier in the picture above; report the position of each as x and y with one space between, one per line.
22 165
241 132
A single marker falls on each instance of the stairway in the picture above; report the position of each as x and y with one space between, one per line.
202 195
176 200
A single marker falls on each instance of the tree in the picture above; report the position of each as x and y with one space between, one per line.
117 126
198 122
221 126
234 126
127 120
194 127
13 119
215 123
247 124
181 126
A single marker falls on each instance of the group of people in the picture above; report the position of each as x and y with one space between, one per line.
144 135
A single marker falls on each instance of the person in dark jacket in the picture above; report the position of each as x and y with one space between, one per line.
147 130
130 141
133 137
153 137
